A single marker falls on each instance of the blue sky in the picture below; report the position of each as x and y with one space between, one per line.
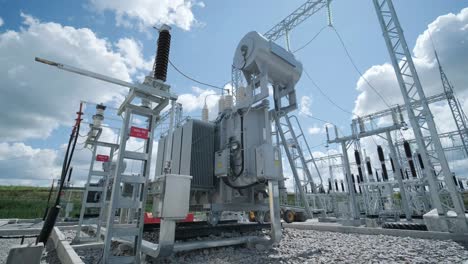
205 51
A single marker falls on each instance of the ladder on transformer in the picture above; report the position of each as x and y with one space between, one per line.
302 155
98 182
299 158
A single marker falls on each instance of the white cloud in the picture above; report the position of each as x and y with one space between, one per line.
37 98
146 13
305 105
314 130
131 51
1 21
196 100
450 34
38 166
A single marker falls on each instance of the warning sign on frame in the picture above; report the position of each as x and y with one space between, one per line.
139 132
103 158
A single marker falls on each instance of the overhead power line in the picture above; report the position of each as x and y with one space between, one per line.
356 68
195 80
325 95
310 41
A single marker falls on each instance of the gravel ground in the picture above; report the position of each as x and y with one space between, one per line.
308 246
7 244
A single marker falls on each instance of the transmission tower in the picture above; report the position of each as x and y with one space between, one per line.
455 106
421 118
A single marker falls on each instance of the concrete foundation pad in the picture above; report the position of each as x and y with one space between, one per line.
327 220
65 252
350 222
25 254
372 222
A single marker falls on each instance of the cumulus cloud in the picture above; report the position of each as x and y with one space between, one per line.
36 98
305 105
144 13
314 130
195 101
450 36
38 166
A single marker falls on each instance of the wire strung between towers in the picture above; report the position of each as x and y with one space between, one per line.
310 41
325 95
348 54
195 80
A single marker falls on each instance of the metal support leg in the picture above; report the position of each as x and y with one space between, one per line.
274 211
399 177
352 194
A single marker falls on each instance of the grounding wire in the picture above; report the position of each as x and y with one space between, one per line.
348 54
310 41
195 80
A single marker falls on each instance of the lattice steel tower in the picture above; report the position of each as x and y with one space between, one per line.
420 117
455 106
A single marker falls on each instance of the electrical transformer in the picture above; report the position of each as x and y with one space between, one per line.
232 161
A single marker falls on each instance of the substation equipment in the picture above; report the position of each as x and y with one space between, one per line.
98 186
230 164
234 162
376 198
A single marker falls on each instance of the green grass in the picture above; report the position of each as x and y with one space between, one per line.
29 202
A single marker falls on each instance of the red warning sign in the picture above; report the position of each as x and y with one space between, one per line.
139 132
103 158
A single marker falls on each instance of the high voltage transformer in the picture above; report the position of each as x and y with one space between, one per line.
232 159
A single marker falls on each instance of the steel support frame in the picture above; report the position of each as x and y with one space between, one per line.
455 107
102 203
399 177
352 194
421 118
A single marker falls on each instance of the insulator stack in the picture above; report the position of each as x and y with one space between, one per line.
455 179
407 175
369 166
409 157
420 161
342 186
460 183
393 165
382 162
205 113
162 55
354 183
329 185
358 162
336 185
377 176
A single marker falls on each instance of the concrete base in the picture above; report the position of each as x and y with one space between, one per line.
435 222
327 220
372 222
25 254
351 222
457 224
